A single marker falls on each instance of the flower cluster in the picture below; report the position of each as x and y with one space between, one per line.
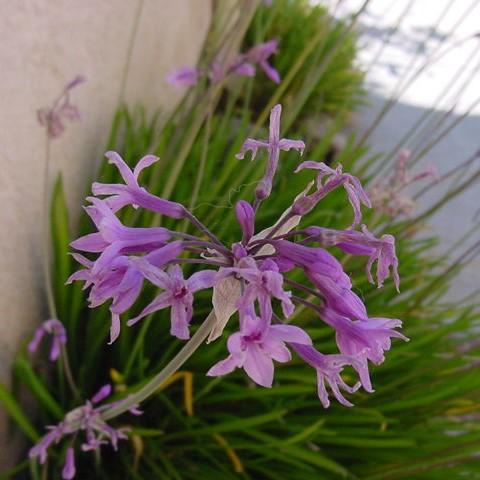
389 197
251 277
54 117
242 65
87 419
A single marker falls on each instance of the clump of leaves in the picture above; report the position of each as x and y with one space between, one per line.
305 29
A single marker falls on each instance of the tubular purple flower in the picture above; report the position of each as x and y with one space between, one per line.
183 76
256 345
274 145
118 195
54 328
365 340
335 178
328 368
113 238
177 294
380 250
122 281
316 260
339 297
246 219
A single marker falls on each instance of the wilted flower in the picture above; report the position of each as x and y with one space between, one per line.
54 328
389 196
87 419
249 277
54 117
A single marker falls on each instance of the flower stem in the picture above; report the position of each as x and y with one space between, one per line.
177 361
47 257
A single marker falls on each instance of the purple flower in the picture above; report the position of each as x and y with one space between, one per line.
87 419
53 118
364 340
316 260
339 297
250 276
334 178
329 368
256 345
243 65
274 145
131 193
122 281
183 76
177 294
380 250
262 283
54 328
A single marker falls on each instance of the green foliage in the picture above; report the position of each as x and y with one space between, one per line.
298 26
419 421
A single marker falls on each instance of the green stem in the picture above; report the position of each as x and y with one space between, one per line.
203 159
47 266
177 361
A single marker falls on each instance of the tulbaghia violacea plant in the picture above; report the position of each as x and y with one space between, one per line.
87 419
251 274
243 65
252 290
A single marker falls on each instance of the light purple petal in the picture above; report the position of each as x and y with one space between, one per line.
270 72
68 471
202 280
258 366
180 319
92 242
102 394
143 163
125 171
290 333
161 301
251 145
223 367
114 328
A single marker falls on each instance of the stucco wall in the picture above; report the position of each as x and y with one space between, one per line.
44 44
